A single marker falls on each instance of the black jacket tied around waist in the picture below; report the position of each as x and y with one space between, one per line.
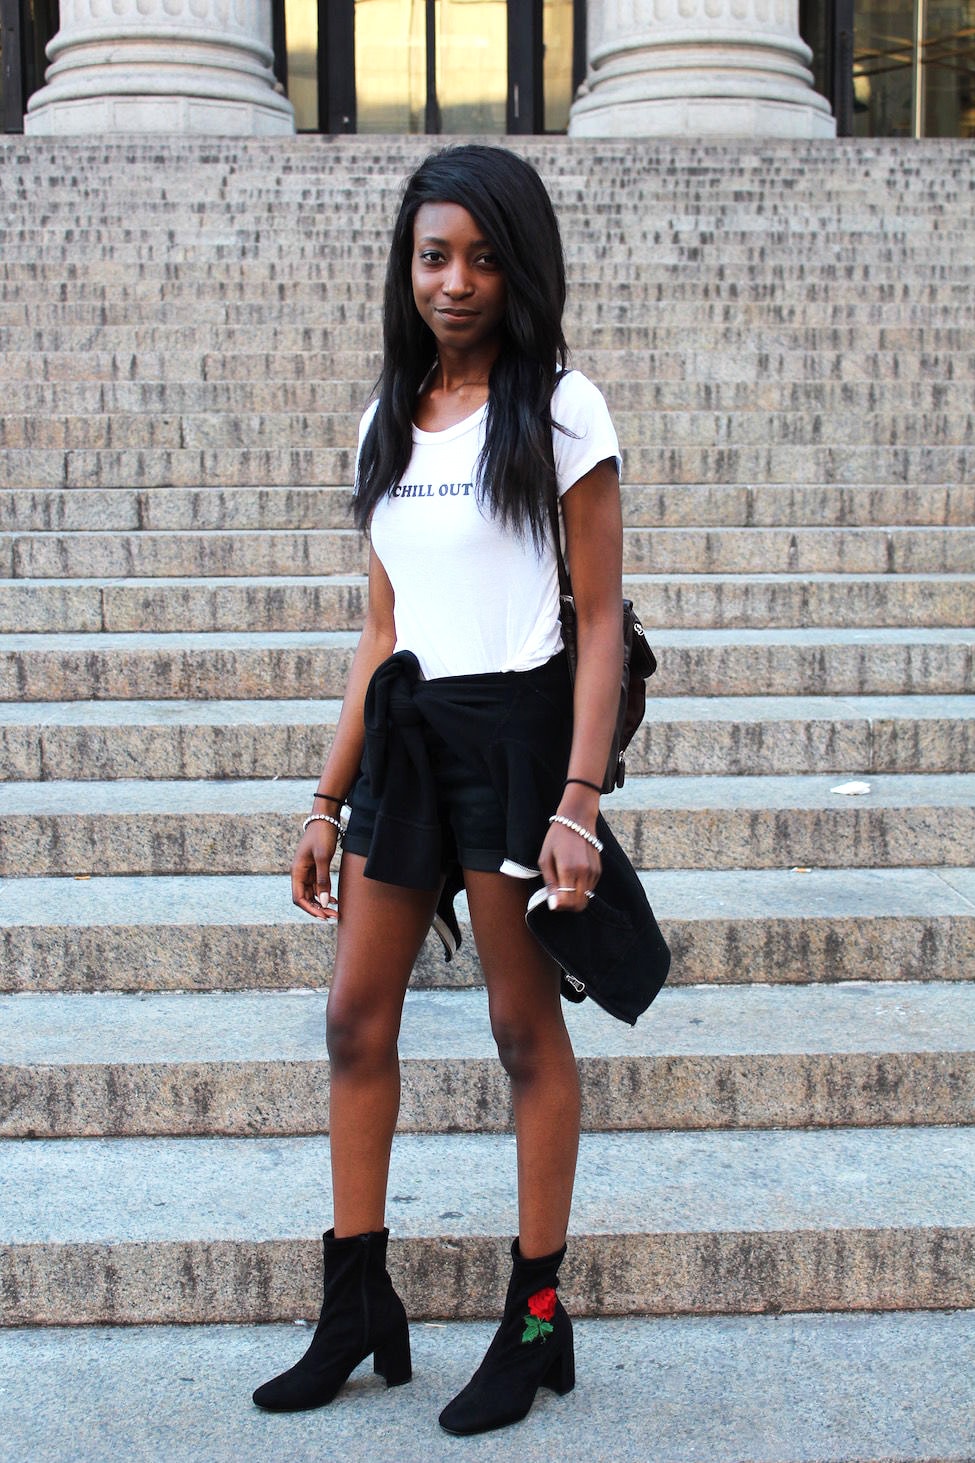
515 728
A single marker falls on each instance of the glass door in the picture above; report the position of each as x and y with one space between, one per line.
944 84
26 26
431 65
477 67
914 68
301 42
471 47
561 35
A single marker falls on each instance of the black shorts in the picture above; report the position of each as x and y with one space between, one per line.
471 815
473 818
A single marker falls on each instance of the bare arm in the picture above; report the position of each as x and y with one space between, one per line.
316 849
594 549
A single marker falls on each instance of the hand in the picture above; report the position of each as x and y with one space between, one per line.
570 867
311 883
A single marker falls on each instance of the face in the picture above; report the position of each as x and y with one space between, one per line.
458 285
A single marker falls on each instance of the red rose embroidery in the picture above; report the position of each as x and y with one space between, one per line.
541 1309
542 1304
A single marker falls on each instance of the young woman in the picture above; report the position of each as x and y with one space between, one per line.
462 747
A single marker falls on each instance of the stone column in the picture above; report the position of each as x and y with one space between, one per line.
698 68
161 66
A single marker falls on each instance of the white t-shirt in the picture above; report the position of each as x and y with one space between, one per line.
471 595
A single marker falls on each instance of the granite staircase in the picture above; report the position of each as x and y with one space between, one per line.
188 332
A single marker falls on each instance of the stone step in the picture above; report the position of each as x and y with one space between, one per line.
241 932
671 334
240 826
688 244
262 666
718 178
260 202
107 554
337 602
95 295
764 309
261 183
319 430
680 735
296 465
885 158
713 180
616 184
690 505
213 1230
846 1388
677 223
624 228
245 1064
260 198
709 365
262 210
227 278
181 553
934 400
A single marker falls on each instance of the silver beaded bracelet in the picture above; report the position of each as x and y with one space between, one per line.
322 818
578 828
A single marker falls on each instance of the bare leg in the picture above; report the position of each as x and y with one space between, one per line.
535 1050
380 931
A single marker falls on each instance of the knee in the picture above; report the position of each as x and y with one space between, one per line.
357 1041
521 1044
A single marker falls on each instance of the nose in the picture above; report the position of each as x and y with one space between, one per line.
456 281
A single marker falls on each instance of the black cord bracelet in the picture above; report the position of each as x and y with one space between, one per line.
583 783
326 797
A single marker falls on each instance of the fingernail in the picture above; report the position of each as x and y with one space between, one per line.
553 902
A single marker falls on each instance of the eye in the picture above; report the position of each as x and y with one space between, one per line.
489 261
431 256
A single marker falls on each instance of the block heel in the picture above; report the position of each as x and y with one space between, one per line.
561 1375
392 1360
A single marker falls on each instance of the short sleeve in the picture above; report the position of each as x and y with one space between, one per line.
588 436
365 421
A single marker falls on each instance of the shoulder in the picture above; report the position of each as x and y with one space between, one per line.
583 433
575 395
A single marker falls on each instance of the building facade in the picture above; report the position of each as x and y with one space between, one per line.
902 68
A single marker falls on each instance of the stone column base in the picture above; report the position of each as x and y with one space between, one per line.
697 116
698 68
137 66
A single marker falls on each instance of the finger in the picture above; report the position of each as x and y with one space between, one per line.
311 906
562 883
300 889
328 903
574 888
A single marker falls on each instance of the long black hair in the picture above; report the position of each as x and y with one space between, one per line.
508 201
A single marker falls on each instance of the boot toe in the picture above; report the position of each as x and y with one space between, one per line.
292 1392
474 1410
269 1395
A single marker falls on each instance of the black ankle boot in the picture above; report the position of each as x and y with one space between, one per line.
362 1313
532 1348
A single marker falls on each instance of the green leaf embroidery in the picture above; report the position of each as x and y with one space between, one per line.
546 1329
532 1328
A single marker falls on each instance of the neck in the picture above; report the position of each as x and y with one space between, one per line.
457 372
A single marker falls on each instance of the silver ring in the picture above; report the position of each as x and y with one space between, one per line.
566 889
590 894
